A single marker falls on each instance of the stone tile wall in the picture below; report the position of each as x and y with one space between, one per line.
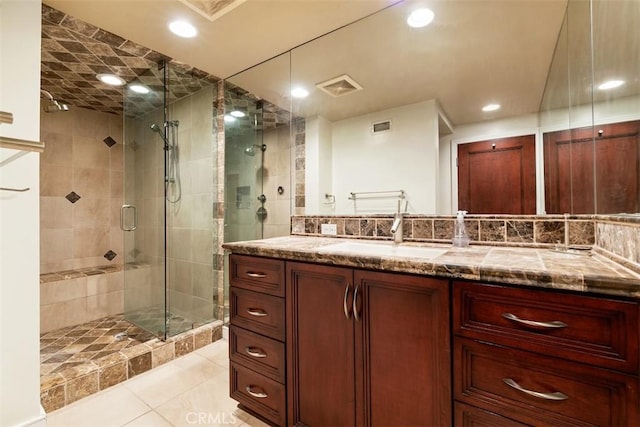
523 230
81 190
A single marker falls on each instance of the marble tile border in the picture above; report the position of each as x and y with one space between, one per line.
523 230
80 272
57 390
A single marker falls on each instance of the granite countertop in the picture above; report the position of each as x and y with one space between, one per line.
538 267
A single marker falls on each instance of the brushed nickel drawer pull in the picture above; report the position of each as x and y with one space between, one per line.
255 352
345 306
547 396
355 304
554 324
257 312
256 275
257 394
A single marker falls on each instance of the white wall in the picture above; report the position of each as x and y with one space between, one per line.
404 158
19 216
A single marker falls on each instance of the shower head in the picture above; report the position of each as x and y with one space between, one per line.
53 105
251 151
154 127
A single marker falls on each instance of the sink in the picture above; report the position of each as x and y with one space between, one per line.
384 249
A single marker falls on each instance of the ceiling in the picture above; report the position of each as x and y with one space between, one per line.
475 51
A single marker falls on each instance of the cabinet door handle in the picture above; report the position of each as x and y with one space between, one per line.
257 312
554 324
547 396
256 275
255 352
345 305
355 304
259 394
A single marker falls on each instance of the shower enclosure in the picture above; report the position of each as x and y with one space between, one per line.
245 201
167 216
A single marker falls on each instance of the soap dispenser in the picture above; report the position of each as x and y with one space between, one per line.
460 236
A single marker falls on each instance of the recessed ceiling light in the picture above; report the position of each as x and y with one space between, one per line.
138 88
491 107
611 84
111 79
237 113
299 92
420 18
229 119
183 29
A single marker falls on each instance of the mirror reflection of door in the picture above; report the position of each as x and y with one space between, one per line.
602 160
498 176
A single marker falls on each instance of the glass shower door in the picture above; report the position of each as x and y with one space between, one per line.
143 221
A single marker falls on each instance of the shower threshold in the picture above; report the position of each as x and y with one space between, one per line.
81 360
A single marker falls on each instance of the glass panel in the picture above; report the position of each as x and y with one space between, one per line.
144 275
169 189
189 188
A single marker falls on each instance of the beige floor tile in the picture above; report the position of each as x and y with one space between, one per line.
207 404
110 408
166 382
251 421
217 352
150 419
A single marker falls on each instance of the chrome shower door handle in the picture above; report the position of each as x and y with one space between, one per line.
132 227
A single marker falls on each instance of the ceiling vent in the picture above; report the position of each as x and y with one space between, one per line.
339 86
381 126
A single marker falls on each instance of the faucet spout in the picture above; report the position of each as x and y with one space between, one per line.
396 227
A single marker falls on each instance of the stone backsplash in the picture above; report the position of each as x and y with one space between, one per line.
617 236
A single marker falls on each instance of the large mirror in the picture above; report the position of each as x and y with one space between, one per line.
394 113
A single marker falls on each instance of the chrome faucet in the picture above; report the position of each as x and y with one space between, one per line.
396 227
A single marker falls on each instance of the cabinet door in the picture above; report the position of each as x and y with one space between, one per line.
403 347
320 353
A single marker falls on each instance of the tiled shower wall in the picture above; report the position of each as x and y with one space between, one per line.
277 175
81 172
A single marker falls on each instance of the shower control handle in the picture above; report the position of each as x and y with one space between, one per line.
132 227
262 198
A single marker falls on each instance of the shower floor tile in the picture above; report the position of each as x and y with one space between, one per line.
68 347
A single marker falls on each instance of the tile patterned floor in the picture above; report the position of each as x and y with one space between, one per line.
190 390
82 344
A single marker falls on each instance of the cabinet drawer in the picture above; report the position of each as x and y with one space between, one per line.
258 274
258 312
505 381
257 352
258 393
597 331
468 416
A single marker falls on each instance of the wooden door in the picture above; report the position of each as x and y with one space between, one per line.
593 169
403 349
320 346
498 176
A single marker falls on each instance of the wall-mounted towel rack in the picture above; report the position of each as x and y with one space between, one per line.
21 144
394 194
6 117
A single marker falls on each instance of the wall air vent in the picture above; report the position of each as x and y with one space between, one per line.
383 126
339 86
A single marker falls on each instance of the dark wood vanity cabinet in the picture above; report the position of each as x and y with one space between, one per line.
538 357
256 336
367 348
